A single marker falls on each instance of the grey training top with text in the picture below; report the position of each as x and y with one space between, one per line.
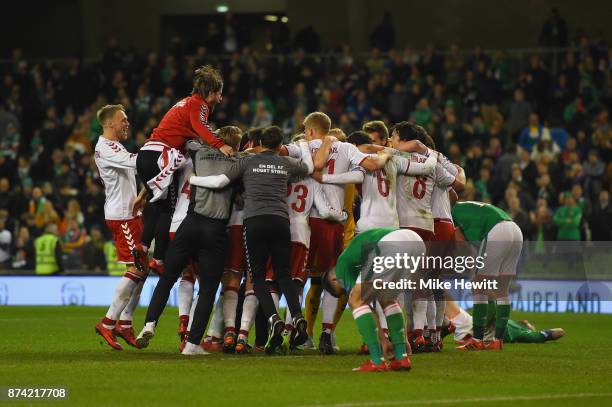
265 177
212 203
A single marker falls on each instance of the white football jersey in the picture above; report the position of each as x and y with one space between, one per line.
302 198
117 168
343 157
440 202
378 191
182 201
414 195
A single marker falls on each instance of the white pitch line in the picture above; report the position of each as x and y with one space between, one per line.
464 400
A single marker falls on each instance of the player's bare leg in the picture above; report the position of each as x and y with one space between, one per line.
128 285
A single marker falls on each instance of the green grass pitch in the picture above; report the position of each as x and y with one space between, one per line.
53 346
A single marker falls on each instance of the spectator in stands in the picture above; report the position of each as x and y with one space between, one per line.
383 35
93 251
600 221
46 216
519 216
568 218
422 115
531 134
23 250
520 111
397 103
602 136
262 117
48 249
9 144
594 170
6 238
545 146
482 185
554 31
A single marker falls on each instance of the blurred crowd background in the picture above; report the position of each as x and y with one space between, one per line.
532 132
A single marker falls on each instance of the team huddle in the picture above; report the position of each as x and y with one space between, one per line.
260 219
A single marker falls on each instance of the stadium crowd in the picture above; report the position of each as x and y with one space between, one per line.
536 142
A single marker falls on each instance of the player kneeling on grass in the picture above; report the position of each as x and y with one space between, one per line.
354 273
500 243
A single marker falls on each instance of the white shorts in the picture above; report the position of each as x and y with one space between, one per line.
416 247
503 248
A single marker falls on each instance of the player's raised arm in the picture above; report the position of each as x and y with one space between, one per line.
306 156
322 154
376 162
220 180
415 164
350 177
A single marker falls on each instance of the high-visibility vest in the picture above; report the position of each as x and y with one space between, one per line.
46 263
110 253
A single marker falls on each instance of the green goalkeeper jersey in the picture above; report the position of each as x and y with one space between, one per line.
351 261
476 219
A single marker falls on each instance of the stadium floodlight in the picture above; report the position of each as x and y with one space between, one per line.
271 18
222 8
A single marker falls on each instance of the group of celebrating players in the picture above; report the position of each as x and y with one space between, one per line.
408 200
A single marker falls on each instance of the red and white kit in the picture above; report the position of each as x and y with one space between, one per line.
326 242
378 190
302 198
182 201
414 200
117 168
187 119
441 206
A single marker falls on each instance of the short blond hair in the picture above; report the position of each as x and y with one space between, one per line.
231 135
107 112
319 121
338 133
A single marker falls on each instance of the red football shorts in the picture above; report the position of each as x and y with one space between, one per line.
444 230
326 244
426 235
126 234
297 271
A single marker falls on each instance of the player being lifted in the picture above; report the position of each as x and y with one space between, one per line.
163 154
117 168
353 273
